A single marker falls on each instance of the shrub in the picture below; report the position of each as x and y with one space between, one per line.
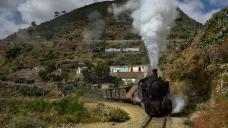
44 75
50 54
118 81
32 91
70 106
116 115
216 114
96 73
39 105
86 91
226 94
13 52
98 109
68 119
24 80
25 122
3 78
66 88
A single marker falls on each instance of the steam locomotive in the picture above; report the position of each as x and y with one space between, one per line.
154 95
151 92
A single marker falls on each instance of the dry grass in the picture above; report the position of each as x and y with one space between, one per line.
215 116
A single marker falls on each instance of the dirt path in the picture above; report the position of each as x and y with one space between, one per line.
137 117
136 113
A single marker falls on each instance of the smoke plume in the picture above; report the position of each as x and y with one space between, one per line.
94 32
178 103
152 19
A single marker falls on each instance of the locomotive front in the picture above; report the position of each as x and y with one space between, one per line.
154 95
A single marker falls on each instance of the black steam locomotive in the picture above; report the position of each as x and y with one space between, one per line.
154 95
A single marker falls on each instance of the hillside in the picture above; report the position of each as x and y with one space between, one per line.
200 71
68 37
43 60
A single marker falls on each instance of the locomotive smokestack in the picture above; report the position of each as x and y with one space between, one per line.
155 73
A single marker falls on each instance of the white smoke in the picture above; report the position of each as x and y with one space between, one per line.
95 31
178 103
152 19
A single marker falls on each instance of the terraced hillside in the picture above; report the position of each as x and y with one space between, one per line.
66 41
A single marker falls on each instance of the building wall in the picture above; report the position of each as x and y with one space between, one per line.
131 49
129 74
112 50
114 69
139 68
79 70
122 50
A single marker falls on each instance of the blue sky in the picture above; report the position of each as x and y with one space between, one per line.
209 6
15 14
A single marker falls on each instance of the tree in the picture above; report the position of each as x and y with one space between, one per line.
88 72
118 81
101 72
13 52
57 13
64 12
96 73
44 75
33 24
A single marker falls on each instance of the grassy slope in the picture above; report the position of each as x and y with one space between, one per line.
57 31
215 40
196 70
73 24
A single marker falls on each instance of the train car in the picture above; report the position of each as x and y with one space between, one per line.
116 93
98 49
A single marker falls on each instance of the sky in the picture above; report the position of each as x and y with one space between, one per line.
16 14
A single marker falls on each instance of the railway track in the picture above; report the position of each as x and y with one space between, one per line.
154 122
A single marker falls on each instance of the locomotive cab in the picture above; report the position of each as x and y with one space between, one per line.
154 95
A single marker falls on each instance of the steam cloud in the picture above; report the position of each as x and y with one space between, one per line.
179 103
95 31
152 19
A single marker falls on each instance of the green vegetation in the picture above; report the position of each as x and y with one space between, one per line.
116 115
185 29
16 50
32 91
215 31
43 113
195 70
61 109
191 64
69 106
25 122
200 71
96 73
13 52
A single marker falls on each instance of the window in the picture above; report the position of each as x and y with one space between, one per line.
139 69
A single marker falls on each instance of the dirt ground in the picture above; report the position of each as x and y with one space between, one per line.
137 118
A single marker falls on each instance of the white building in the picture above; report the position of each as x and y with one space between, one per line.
129 74
138 68
135 68
112 50
131 49
79 70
